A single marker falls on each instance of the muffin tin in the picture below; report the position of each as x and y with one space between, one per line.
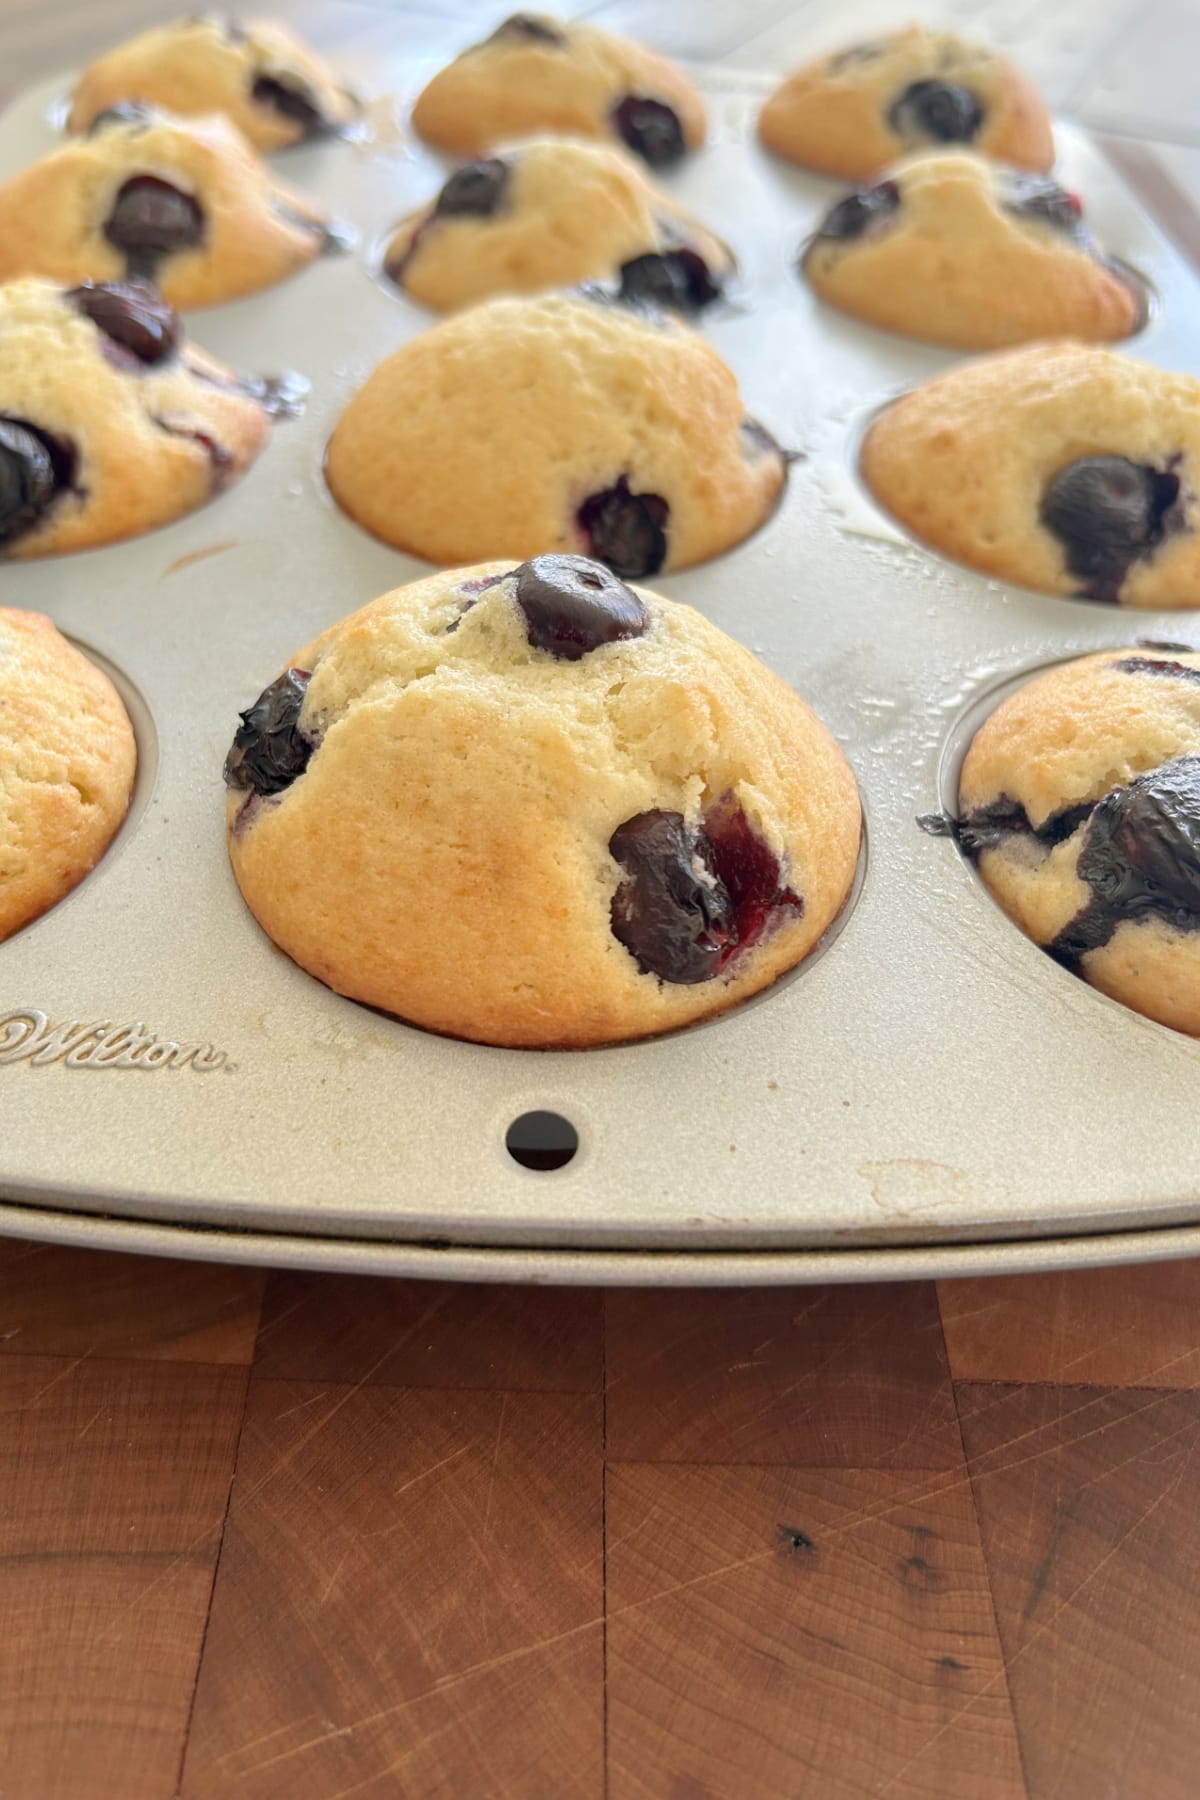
929 1094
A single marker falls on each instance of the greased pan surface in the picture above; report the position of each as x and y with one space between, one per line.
931 1079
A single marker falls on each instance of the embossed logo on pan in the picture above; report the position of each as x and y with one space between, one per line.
27 1035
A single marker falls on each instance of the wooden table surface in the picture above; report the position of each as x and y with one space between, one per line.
323 1537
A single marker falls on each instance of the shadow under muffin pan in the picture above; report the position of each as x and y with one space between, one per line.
909 1093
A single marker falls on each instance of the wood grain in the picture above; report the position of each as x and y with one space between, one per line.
113 1486
1087 1508
409 1600
430 1334
1109 1326
844 1375
788 1632
82 1303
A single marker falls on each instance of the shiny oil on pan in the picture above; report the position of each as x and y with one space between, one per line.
929 1095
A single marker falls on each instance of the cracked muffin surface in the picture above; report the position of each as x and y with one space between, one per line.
1079 799
550 213
853 112
558 423
257 73
540 74
956 250
1065 467
184 203
67 764
111 422
536 806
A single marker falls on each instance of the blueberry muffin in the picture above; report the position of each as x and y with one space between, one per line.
960 251
110 422
534 806
551 213
560 423
1061 466
537 74
1080 802
258 74
183 203
67 762
852 113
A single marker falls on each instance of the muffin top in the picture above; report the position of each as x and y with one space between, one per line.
111 422
1080 799
557 423
258 74
67 761
184 203
550 213
1062 466
536 806
957 250
536 73
856 111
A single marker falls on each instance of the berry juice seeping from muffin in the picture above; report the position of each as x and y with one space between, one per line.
637 824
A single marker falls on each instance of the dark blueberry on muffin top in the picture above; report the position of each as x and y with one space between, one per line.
937 111
651 129
132 315
572 605
477 191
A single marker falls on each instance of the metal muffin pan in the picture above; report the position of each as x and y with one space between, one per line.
931 1093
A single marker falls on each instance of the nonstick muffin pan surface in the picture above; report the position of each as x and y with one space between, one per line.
929 1081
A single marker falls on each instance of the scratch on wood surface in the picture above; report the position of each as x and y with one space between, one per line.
1039 1631
487 1505
422 1475
444 1685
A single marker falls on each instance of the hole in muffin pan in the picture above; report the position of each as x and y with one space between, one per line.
146 739
543 1141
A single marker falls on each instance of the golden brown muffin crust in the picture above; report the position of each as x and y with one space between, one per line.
67 762
445 853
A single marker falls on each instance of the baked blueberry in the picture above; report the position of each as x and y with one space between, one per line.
293 100
132 315
1107 511
27 478
693 896
626 531
938 110
572 606
269 750
150 219
672 911
853 215
680 279
1037 197
477 191
651 129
